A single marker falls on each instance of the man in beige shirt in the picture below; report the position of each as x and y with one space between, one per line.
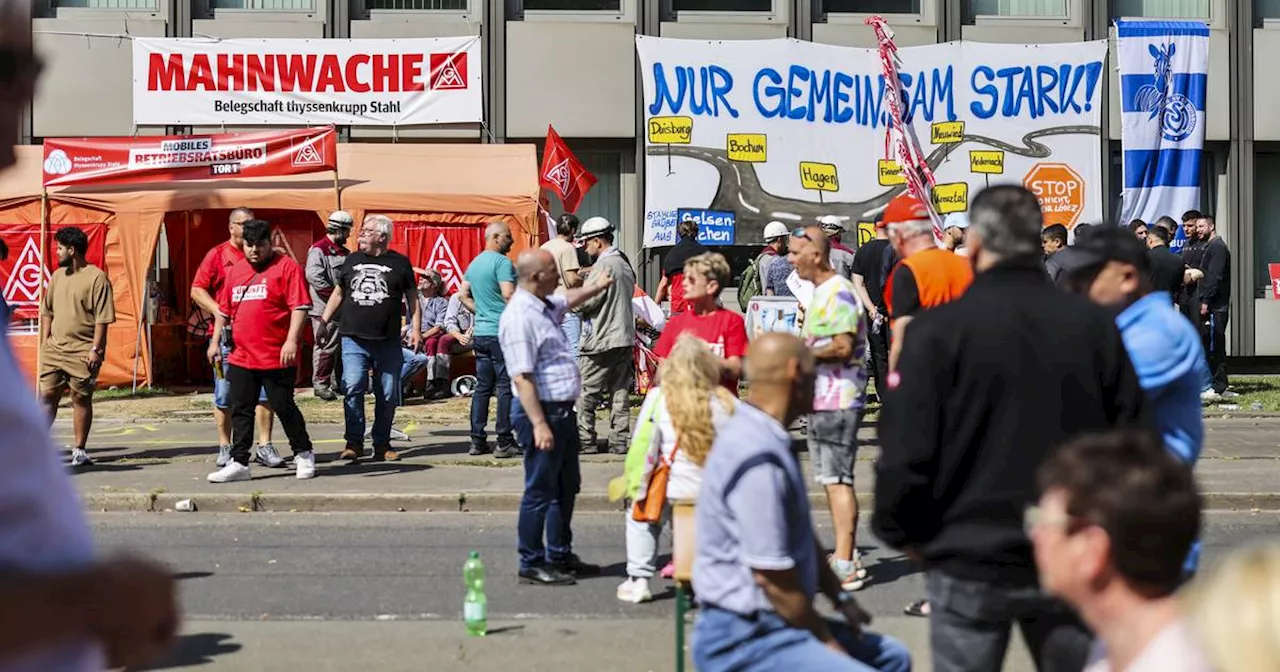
1113 526
568 266
76 310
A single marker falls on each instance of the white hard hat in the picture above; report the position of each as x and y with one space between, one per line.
774 230
831 222
593 227
959 220
341 219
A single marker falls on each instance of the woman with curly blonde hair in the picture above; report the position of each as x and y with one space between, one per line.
677 425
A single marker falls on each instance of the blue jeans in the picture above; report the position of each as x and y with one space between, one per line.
572 328
723 640
385 358
222 387
413 363
552 479
491 376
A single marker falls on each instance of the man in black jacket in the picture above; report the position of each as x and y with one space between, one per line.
989 385
1166 269
1215 298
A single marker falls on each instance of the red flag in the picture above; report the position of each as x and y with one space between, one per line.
563 173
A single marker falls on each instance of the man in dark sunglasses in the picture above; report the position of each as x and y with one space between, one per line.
63 609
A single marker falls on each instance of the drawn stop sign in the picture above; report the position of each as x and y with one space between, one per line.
1060 191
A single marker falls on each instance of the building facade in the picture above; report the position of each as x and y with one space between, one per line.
572 63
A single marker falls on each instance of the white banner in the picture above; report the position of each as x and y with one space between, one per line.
299 82
751 131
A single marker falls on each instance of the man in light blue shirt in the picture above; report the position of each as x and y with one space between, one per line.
758 565
490 282
1112 269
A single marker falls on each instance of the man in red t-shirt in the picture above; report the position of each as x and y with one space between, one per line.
210 277
724 330
265 299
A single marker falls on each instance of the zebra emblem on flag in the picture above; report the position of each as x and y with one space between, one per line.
1176 112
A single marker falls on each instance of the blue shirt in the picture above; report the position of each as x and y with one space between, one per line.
485 273
1169 359
753 513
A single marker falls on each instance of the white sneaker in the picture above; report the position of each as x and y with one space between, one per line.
1229 394
224 455
234 471
80 458
306 463
1210 396
634 591
268 456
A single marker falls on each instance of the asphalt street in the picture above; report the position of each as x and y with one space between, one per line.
384 591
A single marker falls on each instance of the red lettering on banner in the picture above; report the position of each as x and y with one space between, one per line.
306 73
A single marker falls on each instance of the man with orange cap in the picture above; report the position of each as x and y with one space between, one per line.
927 276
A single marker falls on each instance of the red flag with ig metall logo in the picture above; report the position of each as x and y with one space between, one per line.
563 173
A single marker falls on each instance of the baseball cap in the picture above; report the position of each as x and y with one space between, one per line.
904 208
1106 242
959 220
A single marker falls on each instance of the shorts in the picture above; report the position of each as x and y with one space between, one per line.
55 378
833 445
222 388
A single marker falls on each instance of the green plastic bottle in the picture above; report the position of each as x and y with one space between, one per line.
475 609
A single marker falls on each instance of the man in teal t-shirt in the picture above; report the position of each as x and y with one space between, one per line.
490 282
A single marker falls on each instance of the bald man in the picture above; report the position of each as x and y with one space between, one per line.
490 282
756 583
60 609
835 327
545 383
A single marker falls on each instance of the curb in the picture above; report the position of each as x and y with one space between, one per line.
484 502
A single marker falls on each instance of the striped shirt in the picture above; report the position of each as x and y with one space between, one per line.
533 343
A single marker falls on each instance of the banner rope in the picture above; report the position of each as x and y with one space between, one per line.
898 139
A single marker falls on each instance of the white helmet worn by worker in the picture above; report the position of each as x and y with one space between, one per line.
593 227
831 223
340 219
774 230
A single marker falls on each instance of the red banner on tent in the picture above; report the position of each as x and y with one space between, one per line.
23 275
195 157
447 250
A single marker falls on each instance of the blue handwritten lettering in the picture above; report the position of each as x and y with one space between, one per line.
772 91
1033 91
705 89
988 110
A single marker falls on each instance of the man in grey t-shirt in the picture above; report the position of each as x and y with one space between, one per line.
758 564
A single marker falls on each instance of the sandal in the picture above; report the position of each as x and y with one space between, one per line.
918 608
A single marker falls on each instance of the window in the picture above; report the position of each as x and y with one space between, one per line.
873 6
1164 9
1048 9
1266 210
419 5
723 5
266 5
574 5
1266 9
149 5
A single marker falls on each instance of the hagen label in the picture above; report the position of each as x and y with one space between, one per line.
1060 190
747 147
715 227
671 130
953 197
889 172
946 132
986 162
820 176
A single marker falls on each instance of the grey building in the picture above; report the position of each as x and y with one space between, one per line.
573 63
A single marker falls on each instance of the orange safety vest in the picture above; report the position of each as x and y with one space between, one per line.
941 276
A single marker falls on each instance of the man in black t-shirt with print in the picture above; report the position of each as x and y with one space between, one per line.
871 263
376 286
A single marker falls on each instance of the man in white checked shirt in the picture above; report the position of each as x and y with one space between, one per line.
545 384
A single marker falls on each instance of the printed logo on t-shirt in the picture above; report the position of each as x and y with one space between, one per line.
369 288
243 293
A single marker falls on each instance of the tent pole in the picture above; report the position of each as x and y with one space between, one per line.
44 227
337 189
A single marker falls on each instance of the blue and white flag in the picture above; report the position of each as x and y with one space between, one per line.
1164 73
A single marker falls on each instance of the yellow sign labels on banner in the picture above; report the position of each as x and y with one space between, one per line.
671 130
946 132
889 173
820 176
986 162
952 197
747 147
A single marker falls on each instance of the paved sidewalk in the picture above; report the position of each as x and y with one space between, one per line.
151 466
